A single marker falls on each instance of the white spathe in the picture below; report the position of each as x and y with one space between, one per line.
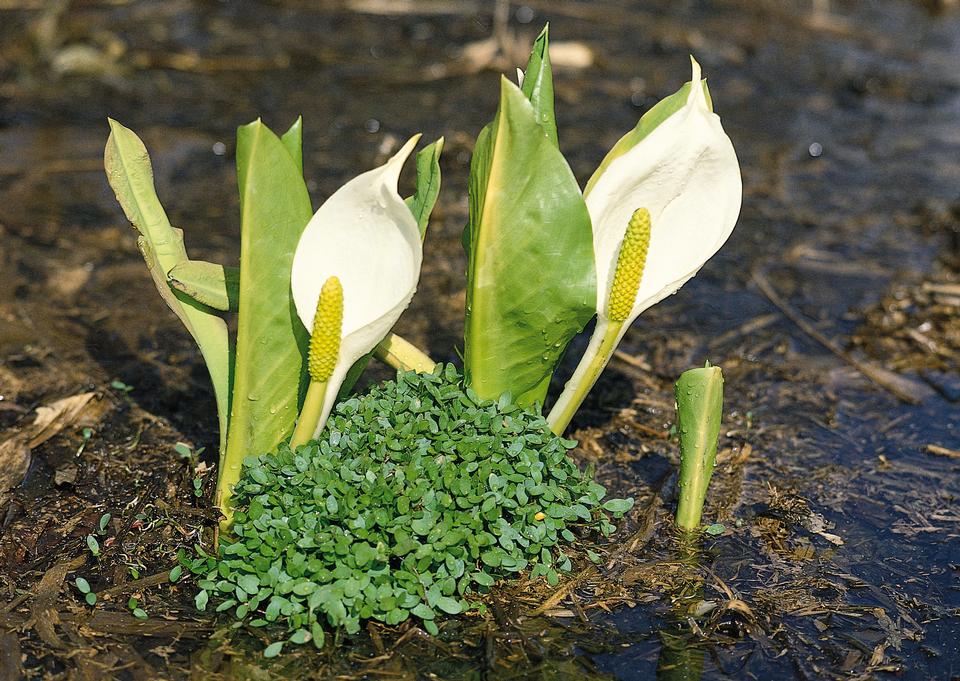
686 173
367 237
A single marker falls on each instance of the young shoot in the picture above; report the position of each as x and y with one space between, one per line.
699 395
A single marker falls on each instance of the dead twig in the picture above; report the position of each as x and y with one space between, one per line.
942 451
135 585
892 383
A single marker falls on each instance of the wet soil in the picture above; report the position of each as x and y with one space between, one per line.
833 311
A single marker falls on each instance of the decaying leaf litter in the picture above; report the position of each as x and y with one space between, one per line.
835 552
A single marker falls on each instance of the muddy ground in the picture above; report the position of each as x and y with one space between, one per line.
833 311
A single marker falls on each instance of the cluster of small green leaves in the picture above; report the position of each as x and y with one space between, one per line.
418 495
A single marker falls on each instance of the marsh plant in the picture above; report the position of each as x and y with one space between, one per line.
416 496
410 498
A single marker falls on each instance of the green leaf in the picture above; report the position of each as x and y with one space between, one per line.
363 553
660 112
618 506
83 586
249 583
699 394
273 649
428 184
93 545
300 636
131 177
90 598
483 579
175 573
201 599
269 373
449 605
215 286
531 282
538 84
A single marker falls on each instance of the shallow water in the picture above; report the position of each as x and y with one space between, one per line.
847 124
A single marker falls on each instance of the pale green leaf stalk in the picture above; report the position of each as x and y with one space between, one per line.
699 410
218 287
270 371
131 177
324 352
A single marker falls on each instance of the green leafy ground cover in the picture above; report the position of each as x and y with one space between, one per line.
417 499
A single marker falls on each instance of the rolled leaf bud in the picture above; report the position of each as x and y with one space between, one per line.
630 263
327 324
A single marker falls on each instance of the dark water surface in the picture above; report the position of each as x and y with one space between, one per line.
840 555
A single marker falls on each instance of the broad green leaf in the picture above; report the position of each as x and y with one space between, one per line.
271 341
538 84
131 177
660 112
428 185
208 283
699 394
531 283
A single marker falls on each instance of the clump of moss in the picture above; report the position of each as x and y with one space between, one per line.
417 497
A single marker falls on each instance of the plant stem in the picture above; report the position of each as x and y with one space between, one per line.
309 415
229 475
402 354
594 361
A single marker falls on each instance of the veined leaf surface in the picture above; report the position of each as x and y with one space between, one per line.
531 284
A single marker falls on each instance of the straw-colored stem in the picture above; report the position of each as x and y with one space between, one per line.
400 353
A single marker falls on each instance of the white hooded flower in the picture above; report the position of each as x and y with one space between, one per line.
686 174
366 236
680 166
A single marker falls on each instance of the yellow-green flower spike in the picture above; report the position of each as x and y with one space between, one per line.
327 324
630 264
